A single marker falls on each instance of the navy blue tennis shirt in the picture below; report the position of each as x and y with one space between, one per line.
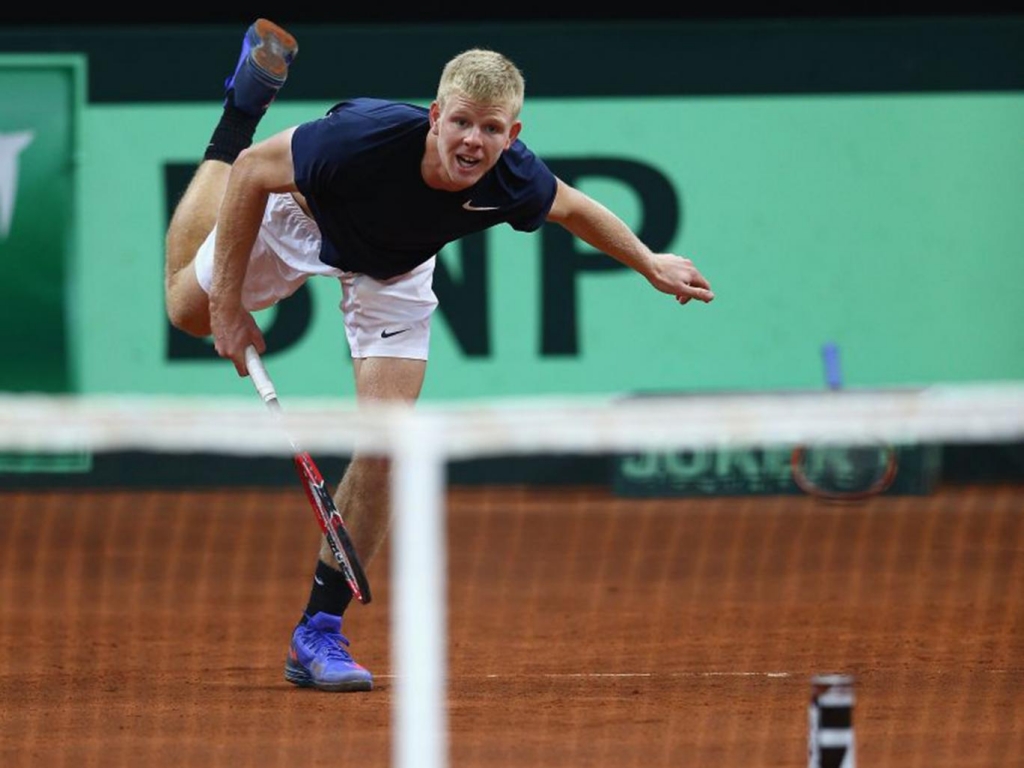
359 169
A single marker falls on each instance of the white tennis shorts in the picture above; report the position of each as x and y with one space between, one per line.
389 318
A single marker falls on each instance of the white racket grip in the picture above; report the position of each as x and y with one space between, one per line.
258 374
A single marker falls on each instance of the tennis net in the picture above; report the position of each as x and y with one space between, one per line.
598 581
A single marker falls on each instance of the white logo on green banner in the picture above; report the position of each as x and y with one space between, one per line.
11 146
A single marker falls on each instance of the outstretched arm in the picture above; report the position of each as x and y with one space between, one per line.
590 221
261 169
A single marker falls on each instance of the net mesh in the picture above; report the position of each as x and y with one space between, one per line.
581 623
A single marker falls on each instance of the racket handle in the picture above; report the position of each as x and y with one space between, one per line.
258 374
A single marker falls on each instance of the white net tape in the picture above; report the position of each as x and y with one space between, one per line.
966 413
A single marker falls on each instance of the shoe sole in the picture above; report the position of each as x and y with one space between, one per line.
298 675
275 49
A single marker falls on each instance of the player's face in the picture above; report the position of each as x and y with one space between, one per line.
470 139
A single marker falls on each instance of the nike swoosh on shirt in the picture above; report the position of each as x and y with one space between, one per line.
389 334
468 205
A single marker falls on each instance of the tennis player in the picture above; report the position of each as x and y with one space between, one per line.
367 194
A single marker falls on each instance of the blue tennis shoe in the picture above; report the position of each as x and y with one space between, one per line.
318 657
267 52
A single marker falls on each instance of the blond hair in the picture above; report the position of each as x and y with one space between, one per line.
483 76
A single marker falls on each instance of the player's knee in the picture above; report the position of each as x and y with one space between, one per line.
187 304
189 317
193 326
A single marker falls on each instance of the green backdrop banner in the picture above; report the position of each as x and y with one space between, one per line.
41 98
889 224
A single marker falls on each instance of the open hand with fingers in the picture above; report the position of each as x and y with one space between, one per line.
676 275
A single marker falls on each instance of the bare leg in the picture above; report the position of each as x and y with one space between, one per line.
193 220
363 496
267 52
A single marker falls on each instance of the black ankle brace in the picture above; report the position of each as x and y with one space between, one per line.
233 133
330 592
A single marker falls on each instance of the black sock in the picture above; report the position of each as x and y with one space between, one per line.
330 592
233 133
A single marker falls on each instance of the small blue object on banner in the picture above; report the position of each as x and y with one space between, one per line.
833 369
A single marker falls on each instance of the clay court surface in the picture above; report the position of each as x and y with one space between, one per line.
150 629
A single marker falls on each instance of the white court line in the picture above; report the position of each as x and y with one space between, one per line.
594 675
656 674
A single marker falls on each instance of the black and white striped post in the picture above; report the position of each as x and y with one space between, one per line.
830 721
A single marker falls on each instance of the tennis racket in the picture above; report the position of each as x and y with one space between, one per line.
841 473
327 514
